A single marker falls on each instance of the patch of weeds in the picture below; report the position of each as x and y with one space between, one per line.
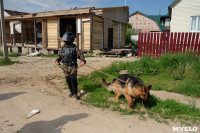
11 54
189 87
4 62
165 110
98 99
14 54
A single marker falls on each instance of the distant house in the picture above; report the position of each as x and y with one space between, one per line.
166 22
185 16
93 28
148 23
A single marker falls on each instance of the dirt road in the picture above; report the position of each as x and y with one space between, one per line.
34 84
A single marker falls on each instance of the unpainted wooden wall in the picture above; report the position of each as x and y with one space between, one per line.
52 33
97 33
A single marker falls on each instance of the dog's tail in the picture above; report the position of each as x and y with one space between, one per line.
106 85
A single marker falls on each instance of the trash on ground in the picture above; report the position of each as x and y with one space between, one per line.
32 113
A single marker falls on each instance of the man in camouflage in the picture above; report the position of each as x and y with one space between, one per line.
68 54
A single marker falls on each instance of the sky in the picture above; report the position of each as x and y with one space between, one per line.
149 7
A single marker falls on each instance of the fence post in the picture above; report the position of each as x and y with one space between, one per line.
181 44
177 45
161 41
196 42
185 42
157 46
147 51
145 38
151 40
154 44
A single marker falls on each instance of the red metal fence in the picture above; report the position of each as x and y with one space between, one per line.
157 44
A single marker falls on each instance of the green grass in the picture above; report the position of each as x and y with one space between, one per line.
177 73
11 54
4 62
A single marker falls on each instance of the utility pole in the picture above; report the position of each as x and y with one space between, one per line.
125 2
3 31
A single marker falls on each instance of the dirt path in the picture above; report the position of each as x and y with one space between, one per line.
34 84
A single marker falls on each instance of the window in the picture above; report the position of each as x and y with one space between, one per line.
195 24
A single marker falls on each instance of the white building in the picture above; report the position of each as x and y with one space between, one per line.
185 16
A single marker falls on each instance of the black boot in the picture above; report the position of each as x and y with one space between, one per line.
76 96
71 94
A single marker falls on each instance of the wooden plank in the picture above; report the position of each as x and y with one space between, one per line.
185 42
178 41
147 51
154 44
35 33
91 32
181 44
199 46
14 41
145 36
151 40
44 37
174 43
58 33
164 44
157 44
171 42
196 43
189 42
161 45
86 34
52 33
22 33
192 44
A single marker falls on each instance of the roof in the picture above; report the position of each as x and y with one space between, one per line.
172 5
15 13
155 18
51 13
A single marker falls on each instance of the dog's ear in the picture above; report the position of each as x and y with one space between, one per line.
149 87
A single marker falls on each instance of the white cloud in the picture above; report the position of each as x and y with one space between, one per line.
48 5
38 3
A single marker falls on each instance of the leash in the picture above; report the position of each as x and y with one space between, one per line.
106 74
96 70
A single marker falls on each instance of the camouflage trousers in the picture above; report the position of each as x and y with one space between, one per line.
70 70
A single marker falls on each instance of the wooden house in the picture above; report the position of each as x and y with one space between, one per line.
93 28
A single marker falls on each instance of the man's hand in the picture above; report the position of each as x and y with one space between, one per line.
57 63
82 63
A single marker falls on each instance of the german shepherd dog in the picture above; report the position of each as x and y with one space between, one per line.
133 88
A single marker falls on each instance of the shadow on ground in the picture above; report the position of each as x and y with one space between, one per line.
10 95
53 126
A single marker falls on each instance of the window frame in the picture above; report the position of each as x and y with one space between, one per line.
197 21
